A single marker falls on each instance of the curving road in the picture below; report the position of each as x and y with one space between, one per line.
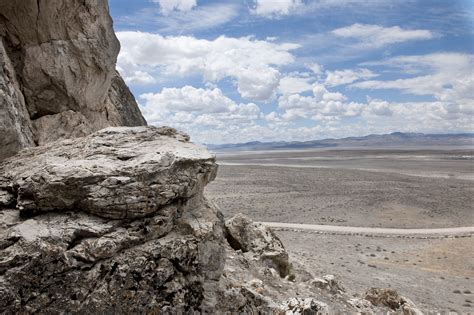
368 230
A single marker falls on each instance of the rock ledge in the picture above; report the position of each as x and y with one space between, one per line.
114 173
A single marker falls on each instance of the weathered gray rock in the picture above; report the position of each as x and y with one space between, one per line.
65 125
63 57
15 125
391 299
121 102
75 263
329 282
155 244
259 241
114 173
307 306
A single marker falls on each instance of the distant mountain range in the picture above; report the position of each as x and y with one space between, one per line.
386 140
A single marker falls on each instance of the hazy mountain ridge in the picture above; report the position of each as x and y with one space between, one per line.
373 140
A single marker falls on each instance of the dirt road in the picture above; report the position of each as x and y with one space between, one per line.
367 230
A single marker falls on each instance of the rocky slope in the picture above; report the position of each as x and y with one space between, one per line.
57 76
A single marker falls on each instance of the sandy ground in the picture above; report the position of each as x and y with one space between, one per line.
437 274
343 197
365 188
447 163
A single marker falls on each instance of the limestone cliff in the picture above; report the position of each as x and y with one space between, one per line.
58 59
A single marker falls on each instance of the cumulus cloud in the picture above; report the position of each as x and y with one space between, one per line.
322 105
211 117
168 6
376 36
445 76
294 84
315 67
191 109
340 77
252 64
274 8
138 77
379 107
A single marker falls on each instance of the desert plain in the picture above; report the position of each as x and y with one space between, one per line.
393 188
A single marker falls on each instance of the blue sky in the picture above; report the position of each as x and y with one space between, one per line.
245 70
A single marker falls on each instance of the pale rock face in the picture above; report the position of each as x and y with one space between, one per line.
67 124
117 223
15 125
118 173
259 241
62 56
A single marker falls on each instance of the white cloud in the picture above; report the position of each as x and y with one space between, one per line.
449 77
273 8
202 17
340 77
315 67
168 6
434 117
322 105
294 84
138 77
379 107
189 99
375 36
192 109
252 64
211 117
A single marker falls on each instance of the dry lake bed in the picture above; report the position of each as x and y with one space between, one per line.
392 188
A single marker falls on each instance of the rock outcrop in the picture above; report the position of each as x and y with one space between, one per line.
391 299
258 242
114 222
58 78
117 173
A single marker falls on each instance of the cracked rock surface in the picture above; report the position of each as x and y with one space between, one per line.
117 173
59 79
258 242
114 222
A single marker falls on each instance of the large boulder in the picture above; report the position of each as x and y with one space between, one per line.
114 222
258 241
62 57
